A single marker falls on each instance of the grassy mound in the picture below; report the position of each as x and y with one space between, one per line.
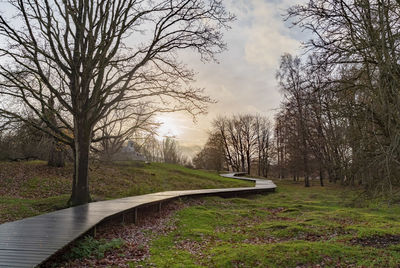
32 188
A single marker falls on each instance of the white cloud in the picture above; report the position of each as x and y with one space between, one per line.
268 37
244 81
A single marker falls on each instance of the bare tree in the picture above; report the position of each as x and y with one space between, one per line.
287 135
358 42
170 151
292 84
246 142
263 144
249 135
91 56
220 127
282 146
212 156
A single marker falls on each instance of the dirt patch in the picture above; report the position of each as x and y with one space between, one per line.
343 221
194 247
377 241
274 211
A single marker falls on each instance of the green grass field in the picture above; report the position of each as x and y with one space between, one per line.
295 227
318 226
32 188
328 226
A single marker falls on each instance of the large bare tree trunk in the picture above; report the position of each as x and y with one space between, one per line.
80 187
321 175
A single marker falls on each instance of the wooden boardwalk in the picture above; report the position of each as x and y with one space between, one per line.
31 241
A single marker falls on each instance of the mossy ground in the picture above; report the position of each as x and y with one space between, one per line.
294 227
32 188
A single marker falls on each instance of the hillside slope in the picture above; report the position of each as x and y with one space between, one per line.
32 188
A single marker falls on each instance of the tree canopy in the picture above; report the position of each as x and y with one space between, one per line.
77 62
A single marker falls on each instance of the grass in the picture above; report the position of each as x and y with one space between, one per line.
296 226
32 188
12 208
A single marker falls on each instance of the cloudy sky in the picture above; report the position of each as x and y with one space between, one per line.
244 80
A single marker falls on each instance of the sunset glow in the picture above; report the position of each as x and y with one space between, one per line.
169 127
244 79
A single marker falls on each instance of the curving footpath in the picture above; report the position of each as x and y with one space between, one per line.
30 242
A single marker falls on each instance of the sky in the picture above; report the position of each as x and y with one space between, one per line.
244 79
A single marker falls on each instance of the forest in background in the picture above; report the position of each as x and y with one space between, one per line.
339 118
24 142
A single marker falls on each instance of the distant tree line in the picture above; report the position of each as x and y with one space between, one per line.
166 150
340 116
23 142
238 143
